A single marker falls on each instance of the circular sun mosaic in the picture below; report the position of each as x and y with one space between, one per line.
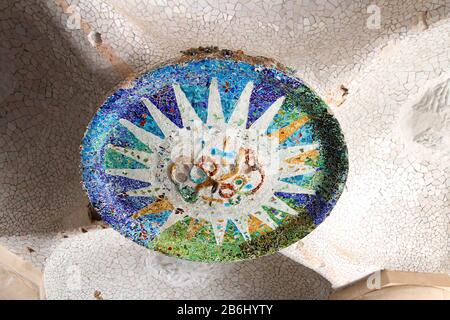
214 158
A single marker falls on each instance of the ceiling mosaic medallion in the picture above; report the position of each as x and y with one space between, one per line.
215 157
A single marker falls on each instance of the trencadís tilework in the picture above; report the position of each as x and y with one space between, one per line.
215 158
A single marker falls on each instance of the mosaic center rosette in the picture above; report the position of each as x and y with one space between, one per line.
214 159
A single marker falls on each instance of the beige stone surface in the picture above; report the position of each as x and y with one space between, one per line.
397 285
408 293
19 279
54 74
15 287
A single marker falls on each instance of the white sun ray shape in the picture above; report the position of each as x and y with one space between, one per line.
215 117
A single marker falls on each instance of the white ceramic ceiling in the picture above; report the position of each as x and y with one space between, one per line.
387 83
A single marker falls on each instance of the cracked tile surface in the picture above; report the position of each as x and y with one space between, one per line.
104 261
395 211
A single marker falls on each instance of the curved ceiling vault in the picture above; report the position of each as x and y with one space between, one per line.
388 87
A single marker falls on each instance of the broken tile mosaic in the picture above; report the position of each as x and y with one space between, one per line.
214 159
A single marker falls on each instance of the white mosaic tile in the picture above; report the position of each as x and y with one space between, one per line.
104 261
395 212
